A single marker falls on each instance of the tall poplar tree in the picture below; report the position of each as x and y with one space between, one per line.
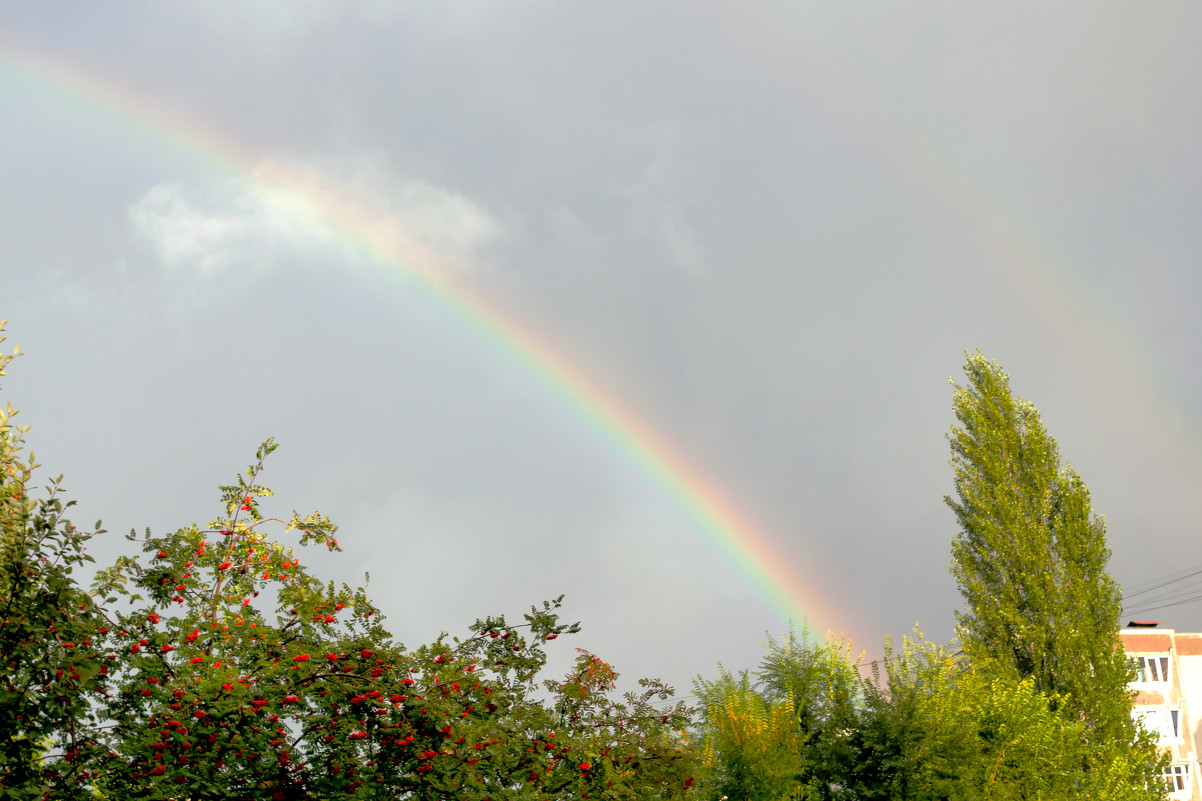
1031 558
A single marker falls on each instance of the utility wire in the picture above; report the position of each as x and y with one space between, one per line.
1164 581
1163 603
1168 604
1174 589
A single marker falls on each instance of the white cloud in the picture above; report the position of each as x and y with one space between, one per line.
299 213
447 220
213 231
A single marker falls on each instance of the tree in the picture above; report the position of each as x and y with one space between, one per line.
213 694
47 653
1030 559
911 746
788 735
936 727
215 665
1033 704
752 744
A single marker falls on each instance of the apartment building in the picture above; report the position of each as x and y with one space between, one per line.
1168 686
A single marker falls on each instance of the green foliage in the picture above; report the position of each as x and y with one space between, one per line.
784 736
633 749
1031 557
240 675
1041 611
212 663
938 727
906 751
753 745
1035 706
216 665
49 643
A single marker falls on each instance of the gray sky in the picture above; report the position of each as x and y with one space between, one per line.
767 231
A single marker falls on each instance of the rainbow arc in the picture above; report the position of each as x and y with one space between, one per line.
396 249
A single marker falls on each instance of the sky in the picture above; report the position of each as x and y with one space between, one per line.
652 305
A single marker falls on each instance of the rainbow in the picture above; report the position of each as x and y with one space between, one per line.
730 531
1030 268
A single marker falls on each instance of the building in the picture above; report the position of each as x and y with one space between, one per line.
1168 686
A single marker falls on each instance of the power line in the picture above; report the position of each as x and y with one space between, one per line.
1174 589
1164 581
1167 604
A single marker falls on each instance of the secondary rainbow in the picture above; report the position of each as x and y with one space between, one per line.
791 595
1036 272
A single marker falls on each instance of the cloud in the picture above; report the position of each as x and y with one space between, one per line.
301 213
656 191
59 290
215 230
448 221
265 22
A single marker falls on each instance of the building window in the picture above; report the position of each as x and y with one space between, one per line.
1176 776
1151 669
1164 723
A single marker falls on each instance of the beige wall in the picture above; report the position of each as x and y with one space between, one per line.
1183 691
1189 654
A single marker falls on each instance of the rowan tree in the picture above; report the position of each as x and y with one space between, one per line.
214 664
239 675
